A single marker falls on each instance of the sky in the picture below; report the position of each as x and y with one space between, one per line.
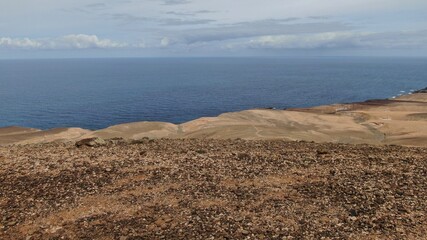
191 28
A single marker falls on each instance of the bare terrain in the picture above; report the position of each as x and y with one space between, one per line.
401 121
329 172
212 189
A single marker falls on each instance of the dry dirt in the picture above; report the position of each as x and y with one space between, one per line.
213 189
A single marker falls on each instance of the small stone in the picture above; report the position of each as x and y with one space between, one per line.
353 212
143 153
243 156
54 229
260 236
201 151
13 223
322 152
91 142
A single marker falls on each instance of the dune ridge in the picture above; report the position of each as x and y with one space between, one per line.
401 121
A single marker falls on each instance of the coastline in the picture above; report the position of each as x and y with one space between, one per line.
400 120
267 188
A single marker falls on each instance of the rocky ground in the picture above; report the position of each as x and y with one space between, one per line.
212 189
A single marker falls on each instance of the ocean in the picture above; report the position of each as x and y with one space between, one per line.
97 93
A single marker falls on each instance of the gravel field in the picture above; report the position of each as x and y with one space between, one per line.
212 189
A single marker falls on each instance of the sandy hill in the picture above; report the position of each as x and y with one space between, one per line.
400 121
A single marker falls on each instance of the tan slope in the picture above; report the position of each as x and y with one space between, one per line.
274 124
420 97
137 130
14 134
402 120
16 130
53 135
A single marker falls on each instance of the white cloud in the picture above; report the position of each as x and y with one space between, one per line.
74 41
320 40
300 39
338 40
24 43
82 41
165 42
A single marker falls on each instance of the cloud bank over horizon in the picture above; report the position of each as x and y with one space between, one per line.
201 28
72 41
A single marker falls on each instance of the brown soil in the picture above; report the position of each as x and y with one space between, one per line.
213 189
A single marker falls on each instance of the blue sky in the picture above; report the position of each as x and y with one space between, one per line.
158 28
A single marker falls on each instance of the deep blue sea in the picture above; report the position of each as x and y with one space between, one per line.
96 93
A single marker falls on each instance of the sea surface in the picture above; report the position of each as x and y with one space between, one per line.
97 93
